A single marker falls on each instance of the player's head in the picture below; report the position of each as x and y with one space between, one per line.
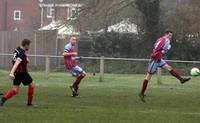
26 44
73 40
169 34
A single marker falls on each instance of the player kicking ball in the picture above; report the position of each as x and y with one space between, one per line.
161 47
19 74
70 54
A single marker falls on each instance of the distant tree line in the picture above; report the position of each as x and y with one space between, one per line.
183 19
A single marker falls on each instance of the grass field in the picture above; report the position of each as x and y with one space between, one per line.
112 101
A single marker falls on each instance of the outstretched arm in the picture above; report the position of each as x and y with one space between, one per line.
70 54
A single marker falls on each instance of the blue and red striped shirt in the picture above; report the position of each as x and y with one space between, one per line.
69 61
161 47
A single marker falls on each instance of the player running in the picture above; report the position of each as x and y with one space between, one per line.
19 74
161 47
70 54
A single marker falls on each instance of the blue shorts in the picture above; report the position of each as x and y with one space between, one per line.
75 70
153 66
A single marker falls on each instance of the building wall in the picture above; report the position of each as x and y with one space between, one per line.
30 15
1 14
61 14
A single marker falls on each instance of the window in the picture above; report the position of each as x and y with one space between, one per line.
50 12
17 15
72 12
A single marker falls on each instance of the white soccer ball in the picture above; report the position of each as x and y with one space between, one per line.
195 72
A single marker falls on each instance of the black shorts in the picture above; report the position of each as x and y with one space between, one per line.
22 77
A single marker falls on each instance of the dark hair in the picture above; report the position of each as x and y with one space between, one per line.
168 31
26 42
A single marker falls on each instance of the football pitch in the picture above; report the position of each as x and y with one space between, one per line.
113 101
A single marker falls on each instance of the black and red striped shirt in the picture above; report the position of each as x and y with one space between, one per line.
20 54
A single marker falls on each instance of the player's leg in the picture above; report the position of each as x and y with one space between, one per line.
9 94
30 93
79 77
144 86
151 69
28 81
174 73
73 90
145 83
79 74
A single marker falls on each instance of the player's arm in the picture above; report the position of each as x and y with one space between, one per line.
28 60
70 54
164 51
17 62
166 47
69 51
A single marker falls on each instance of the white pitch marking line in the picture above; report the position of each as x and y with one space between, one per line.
159 111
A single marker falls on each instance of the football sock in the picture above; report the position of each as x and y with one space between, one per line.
77 81
30 95
144 86
175 74
10 93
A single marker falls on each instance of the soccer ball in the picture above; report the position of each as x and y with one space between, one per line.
195 72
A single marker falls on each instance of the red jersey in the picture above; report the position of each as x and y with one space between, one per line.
69 61
161 46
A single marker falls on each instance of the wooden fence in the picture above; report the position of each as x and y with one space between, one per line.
47 63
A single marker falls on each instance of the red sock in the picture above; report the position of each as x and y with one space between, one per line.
78 80
30 95
10 93
144 86
175 74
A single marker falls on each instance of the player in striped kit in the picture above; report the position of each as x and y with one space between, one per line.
70 58
161 47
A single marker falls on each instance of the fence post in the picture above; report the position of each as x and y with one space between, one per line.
3 45
35 52
47 68
101 78
159 76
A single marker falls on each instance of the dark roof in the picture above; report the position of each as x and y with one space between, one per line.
62 1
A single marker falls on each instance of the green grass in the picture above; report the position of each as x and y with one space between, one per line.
112 101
